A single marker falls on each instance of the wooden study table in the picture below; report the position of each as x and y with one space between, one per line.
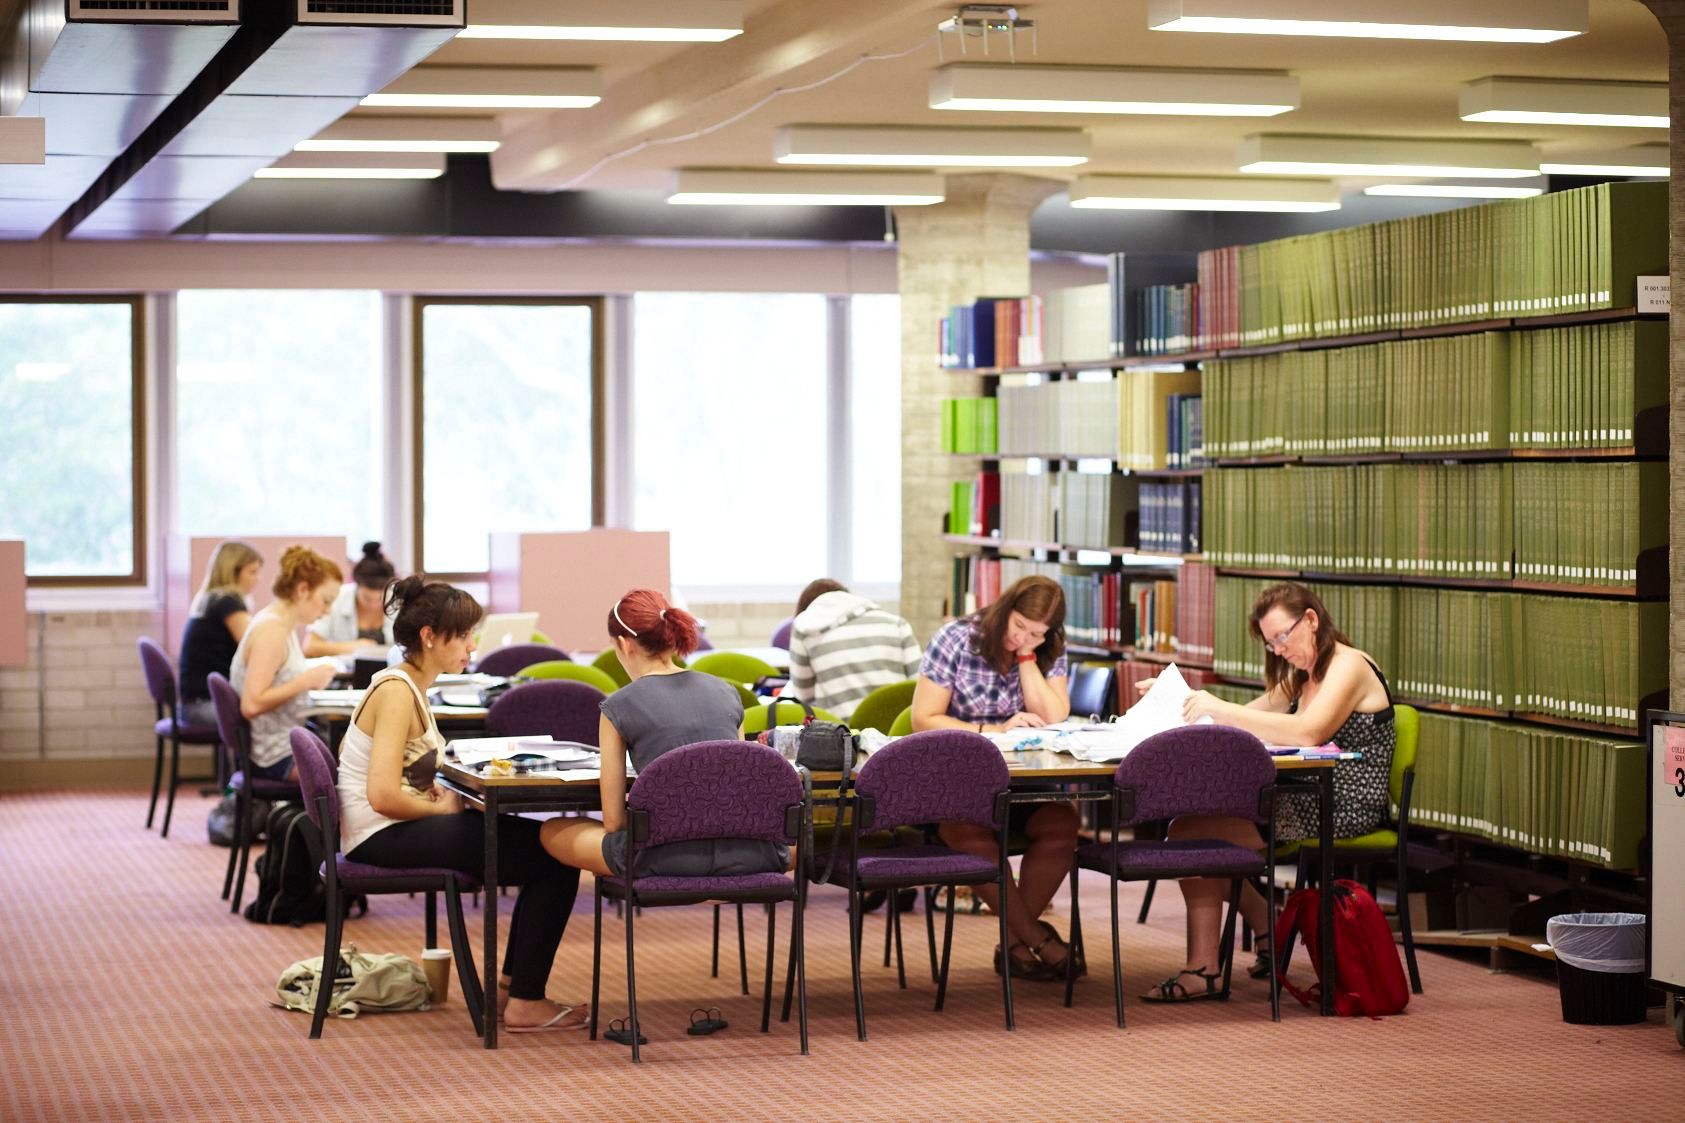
578 792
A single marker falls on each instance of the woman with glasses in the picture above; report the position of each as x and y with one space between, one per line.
1318 689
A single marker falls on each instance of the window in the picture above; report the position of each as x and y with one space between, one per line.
277 413
874 458
729 434
71 441
508 424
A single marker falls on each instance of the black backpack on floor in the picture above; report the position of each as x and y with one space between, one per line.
289 887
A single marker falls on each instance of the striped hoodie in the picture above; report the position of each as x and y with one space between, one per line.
843 647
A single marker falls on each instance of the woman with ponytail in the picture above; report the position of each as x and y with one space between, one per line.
359 618
664 707
393 814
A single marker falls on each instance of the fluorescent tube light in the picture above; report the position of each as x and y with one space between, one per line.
708 187
405 134
1637 160
1481 21
355 165
1533 101
1453 191
1019 88
655 21
1202 193
486 87
1387 156
912 147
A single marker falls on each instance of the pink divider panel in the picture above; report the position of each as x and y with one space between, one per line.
572 580
186 560
14 644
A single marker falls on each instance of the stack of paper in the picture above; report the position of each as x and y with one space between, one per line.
1160 709
472 751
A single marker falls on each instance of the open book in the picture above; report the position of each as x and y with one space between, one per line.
473 751
1158 710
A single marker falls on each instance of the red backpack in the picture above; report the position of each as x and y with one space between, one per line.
1367 976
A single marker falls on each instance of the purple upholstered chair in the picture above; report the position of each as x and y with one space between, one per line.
711 790
167 723
561 708
781 634
236 734
343 877
942 775
1194 770
517 657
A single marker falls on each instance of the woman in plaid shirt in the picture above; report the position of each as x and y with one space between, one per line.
1001 669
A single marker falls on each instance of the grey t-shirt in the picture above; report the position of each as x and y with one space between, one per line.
661 712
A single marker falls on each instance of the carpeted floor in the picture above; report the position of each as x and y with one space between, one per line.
129 992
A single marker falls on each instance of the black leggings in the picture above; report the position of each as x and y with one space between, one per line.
458 842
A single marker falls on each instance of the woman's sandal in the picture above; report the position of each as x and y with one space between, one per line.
621 1034
1029 965
705 1022
1080 965
1172 990
1260 968
556 1022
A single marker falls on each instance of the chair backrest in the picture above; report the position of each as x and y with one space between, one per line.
568 669
716 789
940 775
734 666
1091 690
789 713
781 634
559 708
903 723
231 724
609 663
879 709
316 780
1196 770
1407 725
517 657
160 674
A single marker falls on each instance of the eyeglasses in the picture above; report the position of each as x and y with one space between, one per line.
1280 641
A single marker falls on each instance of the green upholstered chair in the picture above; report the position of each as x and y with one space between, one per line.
734 666
749 699
789 713
568 669
879 709
1387 844
539 637
903 723
609 663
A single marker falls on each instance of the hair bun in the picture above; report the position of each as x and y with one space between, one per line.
371 550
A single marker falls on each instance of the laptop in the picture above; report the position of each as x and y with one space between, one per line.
500 629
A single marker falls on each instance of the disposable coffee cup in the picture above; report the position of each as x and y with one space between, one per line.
436 962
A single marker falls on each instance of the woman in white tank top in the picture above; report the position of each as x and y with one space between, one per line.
393 814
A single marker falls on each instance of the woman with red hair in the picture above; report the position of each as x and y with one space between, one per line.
664 707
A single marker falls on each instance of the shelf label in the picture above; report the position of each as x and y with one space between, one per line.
1673 759
1655 296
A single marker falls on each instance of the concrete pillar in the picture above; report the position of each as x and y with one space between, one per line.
976 243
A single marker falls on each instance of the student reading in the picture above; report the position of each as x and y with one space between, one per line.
1005 668
216 623
1318 689
359 617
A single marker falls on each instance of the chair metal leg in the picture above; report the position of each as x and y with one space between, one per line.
930 926
1074 947
1005 941
175 778
947 949
234 848
330 964
157 778
1373 881
1275 952
1146 903
1117 954
432 920
855 909
888 927
1403 882
714 964
243 835
596 952
742 952
1225 946
893 927
462 951
631 979
789 979
798 945
771 945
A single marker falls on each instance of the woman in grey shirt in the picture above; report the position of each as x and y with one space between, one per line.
664 707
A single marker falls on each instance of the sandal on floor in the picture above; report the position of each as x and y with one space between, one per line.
621 1034
1260 968
1172 990
554 1023
1027 966
1080 964
705 1022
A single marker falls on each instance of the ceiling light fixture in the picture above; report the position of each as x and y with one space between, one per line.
1387 156
1480 21
1087 89
405 134
914 147
1471 190
654 21
355 165
710 187
1637 160
487 87
1202 193
1535 101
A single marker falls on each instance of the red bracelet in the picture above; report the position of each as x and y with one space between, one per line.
1027 658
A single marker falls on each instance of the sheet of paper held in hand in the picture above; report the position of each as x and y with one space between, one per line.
1158 710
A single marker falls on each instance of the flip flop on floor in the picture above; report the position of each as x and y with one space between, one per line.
554 1023
621 1034
709 1022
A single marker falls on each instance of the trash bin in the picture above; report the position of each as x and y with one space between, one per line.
1599 966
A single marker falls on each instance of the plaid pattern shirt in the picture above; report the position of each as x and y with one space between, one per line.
979 692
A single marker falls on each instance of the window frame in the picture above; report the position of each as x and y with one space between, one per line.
138 340
418 435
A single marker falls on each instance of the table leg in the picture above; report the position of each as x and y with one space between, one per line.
488 897
1325 918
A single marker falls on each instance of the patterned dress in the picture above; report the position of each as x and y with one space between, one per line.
1361 800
